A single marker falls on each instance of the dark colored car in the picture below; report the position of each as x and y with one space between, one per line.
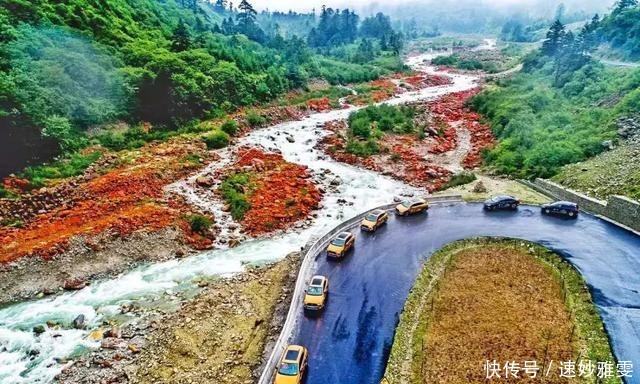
562 208
501 202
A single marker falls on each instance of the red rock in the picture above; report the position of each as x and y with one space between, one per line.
74 284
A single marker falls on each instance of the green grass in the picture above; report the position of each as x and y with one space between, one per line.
372 123
73 165
255 119
235 190
461 178
616 172
199 223
216 140
591 334
542 127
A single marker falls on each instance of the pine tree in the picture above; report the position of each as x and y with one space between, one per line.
247 25
554 38
181 39
220 6
621 5
247 15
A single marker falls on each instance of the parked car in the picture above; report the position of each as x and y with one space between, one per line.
374 220
293 365
339 246
501 202
410 207
562 208
316 294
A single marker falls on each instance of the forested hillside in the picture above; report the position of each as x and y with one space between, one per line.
621 29
563 107
67 68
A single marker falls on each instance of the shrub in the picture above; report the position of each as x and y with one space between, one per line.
216 140
230 127
366 149
254 119
4 193
461 178
199 223
361 128
234 193
72 166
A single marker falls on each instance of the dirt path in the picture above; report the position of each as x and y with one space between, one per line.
453 160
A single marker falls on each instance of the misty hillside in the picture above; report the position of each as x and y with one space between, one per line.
72 67
566 105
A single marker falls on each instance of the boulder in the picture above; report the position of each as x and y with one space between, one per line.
74 284
205 181
110 343
113 332
78 322
233 242
479 187
134 348
38 329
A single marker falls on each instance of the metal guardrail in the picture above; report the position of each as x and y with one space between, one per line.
310 256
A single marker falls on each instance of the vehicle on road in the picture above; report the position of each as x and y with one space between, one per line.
501 202
293 365
411 207
315 296
339 246
562 208
373 220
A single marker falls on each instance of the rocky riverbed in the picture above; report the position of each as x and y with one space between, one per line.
218 336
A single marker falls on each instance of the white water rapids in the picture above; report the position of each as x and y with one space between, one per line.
29 358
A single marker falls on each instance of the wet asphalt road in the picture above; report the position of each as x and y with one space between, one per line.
350 341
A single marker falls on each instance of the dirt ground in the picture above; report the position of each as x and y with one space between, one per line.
495 304
497 186
220 336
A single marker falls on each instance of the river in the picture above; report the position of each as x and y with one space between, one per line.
29 358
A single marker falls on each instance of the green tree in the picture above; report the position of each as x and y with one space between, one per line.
220 6
554 39
181 39
622 5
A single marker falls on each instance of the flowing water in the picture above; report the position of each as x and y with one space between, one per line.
29 358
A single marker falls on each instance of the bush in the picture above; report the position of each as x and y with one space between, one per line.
366 149
255 120
200 223
461 178
361 128
74 165
234 193
217 140
542 127
450 60
230 127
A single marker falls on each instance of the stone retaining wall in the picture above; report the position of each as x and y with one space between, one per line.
618 208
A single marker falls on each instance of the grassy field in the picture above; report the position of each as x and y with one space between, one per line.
616 172
496 186
487 299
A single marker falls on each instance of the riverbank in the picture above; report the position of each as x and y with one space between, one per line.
133 206
218 336
493 282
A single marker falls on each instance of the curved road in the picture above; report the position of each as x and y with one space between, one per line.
350 341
